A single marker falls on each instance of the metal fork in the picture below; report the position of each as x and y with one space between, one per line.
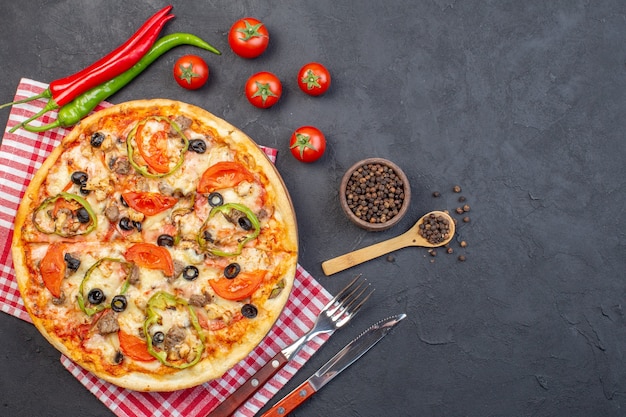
345 305
335 314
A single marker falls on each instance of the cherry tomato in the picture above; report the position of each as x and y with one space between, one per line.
263 89
237 288
148 203
314 79
248 37
52 268
223 175
153 148
191 72
307 144
151 256
134 347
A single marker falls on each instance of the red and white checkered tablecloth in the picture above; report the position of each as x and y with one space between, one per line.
21 154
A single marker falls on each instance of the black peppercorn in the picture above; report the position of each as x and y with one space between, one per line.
374 193
434 228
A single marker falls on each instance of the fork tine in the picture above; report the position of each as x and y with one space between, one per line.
350 310
353 309
340 294
335 304
351 302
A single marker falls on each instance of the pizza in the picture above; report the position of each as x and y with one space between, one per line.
156 246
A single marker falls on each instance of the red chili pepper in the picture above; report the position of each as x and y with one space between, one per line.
120 60
64 90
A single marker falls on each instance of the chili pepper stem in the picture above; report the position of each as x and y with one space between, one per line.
51 105
38 129
44 94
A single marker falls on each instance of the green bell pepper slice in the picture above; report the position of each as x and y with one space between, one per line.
224 209
162 301
143 170
81 296
50 201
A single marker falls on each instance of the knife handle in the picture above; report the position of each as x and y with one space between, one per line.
291 401
254 383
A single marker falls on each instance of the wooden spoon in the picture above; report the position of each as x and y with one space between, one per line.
409 238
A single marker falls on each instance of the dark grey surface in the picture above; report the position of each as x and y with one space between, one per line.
522 103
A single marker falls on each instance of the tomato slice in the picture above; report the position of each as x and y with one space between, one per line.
148 203
153 148
243 286
223 175
151 256
134 347
53 267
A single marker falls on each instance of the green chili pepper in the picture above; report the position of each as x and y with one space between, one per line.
90 311
224 209
81 106
143 170
50 201
162 301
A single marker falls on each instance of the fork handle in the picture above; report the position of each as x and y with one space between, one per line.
252 385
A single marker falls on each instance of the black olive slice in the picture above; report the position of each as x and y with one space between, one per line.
96 139
244 223
119 357
158 337
79 177
190 273
124 203
165 240
119 303
197 145
232 270
71 262
83 215
137 225
126 224
215 199
249 311
96 296
207 236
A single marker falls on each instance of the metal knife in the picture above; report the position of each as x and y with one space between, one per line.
346 357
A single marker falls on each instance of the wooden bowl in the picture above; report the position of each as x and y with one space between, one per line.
395 208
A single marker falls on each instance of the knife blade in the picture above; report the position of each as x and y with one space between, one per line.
346 357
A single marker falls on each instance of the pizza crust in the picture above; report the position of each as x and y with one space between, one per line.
30 284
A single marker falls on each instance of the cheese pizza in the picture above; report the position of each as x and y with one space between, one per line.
156 246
